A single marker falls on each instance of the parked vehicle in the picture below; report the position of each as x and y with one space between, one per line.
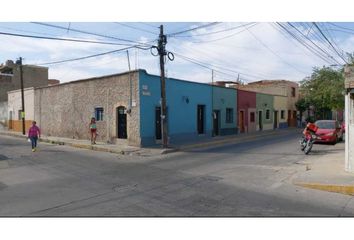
309 137
329 131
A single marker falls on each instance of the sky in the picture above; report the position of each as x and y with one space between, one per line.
232 54
245 51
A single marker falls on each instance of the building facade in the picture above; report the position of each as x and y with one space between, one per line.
10 79
194 110
246 106
65 110
264 111
280 112
127 109
15 108
285 88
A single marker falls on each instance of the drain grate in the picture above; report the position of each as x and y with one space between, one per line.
3 157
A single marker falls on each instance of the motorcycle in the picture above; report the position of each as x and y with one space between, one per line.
308 138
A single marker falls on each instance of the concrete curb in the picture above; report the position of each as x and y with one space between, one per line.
163 151
224 141
343 189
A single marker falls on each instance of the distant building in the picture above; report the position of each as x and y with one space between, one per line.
284 88
33 76
246 106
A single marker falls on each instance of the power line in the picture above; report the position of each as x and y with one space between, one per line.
263 44
345 28
319 29
136 28
62 39
228 36
215 32
149 24
333 39
85 32
91 56
199 51
208 66
192 29
305 44
321 49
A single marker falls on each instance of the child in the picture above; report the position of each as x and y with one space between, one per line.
33 134
93 130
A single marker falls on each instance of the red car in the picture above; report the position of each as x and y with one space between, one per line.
329 131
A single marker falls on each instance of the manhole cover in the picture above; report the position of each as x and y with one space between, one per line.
3 157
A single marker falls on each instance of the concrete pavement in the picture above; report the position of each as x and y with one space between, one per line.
324 170
243 179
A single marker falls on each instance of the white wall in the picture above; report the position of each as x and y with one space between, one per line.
15 103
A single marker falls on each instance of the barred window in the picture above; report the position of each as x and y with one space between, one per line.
99 113
229 115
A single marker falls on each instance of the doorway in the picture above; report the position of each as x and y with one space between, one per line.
200 118
158 123
241 120
121 122
275 126
216 123
260 122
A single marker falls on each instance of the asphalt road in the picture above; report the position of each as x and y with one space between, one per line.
245 179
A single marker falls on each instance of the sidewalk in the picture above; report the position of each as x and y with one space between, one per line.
324 170
155 151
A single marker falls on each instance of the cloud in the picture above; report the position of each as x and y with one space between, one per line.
261 52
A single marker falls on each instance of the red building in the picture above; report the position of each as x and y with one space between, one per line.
246 105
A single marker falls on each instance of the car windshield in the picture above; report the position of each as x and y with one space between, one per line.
326 125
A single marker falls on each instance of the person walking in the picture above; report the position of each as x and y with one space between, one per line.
93 130
33 134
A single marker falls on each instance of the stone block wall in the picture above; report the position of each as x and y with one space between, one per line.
65 110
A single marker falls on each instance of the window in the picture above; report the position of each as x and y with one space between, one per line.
252 117
229 115
282 114
99 113
19 114
267 114
293 93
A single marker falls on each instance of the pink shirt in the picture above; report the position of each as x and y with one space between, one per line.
34 131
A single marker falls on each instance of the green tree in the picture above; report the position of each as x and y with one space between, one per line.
324 90
302 105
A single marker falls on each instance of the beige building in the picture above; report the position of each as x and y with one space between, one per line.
285 88
280 111
15 107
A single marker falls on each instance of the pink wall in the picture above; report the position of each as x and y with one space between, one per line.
245 100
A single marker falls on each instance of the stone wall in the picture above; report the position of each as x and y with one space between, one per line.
65 110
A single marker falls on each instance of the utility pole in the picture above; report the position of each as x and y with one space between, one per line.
212 102
19 62
162 52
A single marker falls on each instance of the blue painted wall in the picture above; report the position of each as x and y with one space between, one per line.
182 100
